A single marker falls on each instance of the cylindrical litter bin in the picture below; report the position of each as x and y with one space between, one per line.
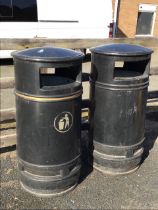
48 93
119 80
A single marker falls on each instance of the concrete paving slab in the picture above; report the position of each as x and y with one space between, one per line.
153 83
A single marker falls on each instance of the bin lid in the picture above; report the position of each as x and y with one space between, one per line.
48 54
121 50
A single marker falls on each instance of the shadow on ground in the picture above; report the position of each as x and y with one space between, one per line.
151 132
86 168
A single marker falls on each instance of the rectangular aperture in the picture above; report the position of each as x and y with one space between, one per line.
57 76
125 69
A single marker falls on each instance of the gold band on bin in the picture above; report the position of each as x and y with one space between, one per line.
40 99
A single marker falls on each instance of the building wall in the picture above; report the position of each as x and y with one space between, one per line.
127 17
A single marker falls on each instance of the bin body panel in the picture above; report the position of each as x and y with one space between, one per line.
38 140
119 119
118 94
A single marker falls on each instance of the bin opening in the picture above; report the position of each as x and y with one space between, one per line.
57 76
125 69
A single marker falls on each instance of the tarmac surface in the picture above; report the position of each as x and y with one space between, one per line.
95 190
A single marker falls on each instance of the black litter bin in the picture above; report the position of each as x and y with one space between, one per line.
48 93
119 80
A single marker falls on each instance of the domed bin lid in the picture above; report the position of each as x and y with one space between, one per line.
48 54
121 50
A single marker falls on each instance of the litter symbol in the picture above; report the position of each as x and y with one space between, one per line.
63 122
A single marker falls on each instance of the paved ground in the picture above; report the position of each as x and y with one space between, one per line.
94 191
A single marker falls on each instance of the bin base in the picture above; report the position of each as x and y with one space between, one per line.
46 193
48 186
117 164
49 180
113 172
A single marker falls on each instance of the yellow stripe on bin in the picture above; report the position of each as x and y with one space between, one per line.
40 99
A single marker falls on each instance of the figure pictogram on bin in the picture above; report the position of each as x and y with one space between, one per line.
63 122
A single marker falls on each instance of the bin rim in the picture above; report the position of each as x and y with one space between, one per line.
121 49
48 54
